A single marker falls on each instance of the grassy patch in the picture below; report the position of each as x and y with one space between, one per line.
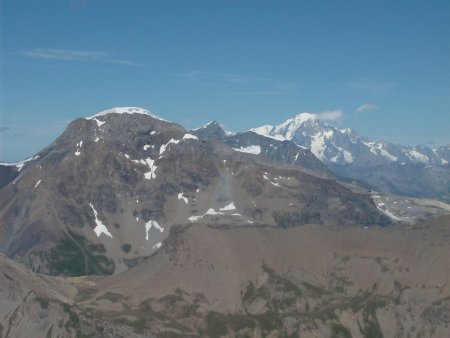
111 296
73 256
73 321
239 322
42 302
269 321
314 289
340 331
216 325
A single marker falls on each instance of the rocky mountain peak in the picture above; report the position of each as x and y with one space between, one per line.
211 130
289 128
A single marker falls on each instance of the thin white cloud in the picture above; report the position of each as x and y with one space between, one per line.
249 84
74 55
330 115
366 108
125 62
64 54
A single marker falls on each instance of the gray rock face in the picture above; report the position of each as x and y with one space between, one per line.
416 171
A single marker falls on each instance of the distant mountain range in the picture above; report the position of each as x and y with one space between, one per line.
413 171
345 146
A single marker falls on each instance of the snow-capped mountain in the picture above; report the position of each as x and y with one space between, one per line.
344 146
417 171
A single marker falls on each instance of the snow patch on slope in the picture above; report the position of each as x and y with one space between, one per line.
190 137
99 123
37 183
378 149
230 206
414 155
268 179
318 146
152 224
100 228
210 211
163 147
150 163
181 197
79 144
253 149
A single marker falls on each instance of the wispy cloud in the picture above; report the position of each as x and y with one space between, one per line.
371 86
330 115
74 55
366 108
241 84
3 129
124 62
64 54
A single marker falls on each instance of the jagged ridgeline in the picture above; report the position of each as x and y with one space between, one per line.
418 171
106 193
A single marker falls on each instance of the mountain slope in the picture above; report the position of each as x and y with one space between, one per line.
241 281
105 194
416 171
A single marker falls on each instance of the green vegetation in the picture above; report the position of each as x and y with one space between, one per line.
314 289
271 320
290 219
372 328
239 322
340 331
249 293
283 298
73 321
42 302
216 325
111 296
74 257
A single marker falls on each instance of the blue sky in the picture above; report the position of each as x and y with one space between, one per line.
384 65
